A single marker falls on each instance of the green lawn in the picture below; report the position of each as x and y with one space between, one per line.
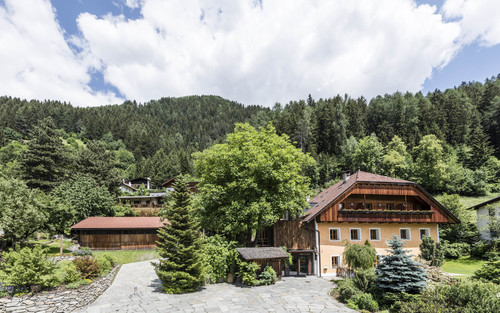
130 256
465 266
53 245
470 201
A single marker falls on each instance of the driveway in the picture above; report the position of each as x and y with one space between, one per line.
290 295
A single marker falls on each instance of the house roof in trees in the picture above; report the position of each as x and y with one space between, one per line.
262 253
156 195
477 206
170 182
98 222
325 199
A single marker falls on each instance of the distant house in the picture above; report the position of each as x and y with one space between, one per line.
169 185
360 207
137 182
118 233
127 187
488 212
153 201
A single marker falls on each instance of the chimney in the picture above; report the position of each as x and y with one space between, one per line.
346 176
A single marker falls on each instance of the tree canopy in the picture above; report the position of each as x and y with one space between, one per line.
250 181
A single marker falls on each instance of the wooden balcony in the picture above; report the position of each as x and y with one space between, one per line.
385 216
145 206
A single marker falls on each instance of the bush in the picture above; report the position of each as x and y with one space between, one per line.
7 290
219 257
456 250
479 249
87 266
347 289
489 272
468 297
27 267
359 256
77 284
71 274
432 252
82 251
363 301
248 272
106 262
364 279
268 276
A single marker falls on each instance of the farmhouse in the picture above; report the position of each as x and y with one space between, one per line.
118 233
361 207
488 218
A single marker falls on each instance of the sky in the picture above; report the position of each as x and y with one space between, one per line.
98 52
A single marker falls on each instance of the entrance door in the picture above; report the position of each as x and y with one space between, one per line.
299 265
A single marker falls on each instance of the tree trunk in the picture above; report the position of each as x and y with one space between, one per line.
61 244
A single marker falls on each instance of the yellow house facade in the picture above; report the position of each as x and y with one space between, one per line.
371 207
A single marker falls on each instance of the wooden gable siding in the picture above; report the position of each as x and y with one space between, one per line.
434 215
294 235
117 240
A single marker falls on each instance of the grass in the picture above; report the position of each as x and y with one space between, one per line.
465 266
129 256
470 201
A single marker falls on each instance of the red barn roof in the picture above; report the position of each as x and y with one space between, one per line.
120 222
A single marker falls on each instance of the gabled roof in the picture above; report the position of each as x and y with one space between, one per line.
98 222
329 195
477 206
128 186
261 253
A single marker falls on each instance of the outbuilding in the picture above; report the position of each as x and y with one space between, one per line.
118 233
264 256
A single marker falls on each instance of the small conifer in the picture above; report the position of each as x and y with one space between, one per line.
398 272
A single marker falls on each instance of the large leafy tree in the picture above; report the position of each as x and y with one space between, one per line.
180 245
430 167
250 181
23 211
396 161
368 154
45 162
398 272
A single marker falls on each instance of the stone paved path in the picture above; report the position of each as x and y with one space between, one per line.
290 295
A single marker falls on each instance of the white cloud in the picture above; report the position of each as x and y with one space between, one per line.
479 20
278 52
133 4
35 59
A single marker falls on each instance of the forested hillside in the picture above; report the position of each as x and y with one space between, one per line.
448 141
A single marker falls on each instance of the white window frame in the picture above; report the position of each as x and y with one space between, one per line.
370 234
339 258
409 233
427 232
350 234
338 232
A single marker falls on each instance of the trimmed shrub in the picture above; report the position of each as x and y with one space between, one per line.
106 262
456 250
363 301
489 272
87 266
268 276
248 272
219 257
468 297
347 289
71 274
364 279
27 267
432 252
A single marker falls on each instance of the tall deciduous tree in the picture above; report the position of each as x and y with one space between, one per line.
45 162
250 181
23 211
180 246
429 163
396 161
368 154
398 272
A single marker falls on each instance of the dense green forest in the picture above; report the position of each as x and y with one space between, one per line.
448 141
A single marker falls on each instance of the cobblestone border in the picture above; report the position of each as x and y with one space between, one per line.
61 301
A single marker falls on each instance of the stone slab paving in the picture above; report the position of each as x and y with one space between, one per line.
137 289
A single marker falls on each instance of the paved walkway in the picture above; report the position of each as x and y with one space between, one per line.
290 295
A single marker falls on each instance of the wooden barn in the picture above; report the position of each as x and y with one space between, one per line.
118 233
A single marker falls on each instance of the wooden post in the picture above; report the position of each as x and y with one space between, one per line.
61 244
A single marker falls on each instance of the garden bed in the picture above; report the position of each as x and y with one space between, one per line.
59 299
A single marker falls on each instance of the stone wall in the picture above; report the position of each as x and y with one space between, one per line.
68 300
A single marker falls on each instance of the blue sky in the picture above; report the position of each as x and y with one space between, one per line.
96 52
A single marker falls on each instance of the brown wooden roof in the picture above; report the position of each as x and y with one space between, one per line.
142 222
262 253
327 197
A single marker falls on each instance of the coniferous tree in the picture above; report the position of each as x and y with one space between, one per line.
44 163
398 272
432 252
179 245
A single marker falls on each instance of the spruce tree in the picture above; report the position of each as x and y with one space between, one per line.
179 245
398 272
44 163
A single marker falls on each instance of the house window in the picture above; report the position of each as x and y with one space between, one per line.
341 206
368 206
334 234
424 232
335 261
404 233
375 234
355 234
416 207
390 206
